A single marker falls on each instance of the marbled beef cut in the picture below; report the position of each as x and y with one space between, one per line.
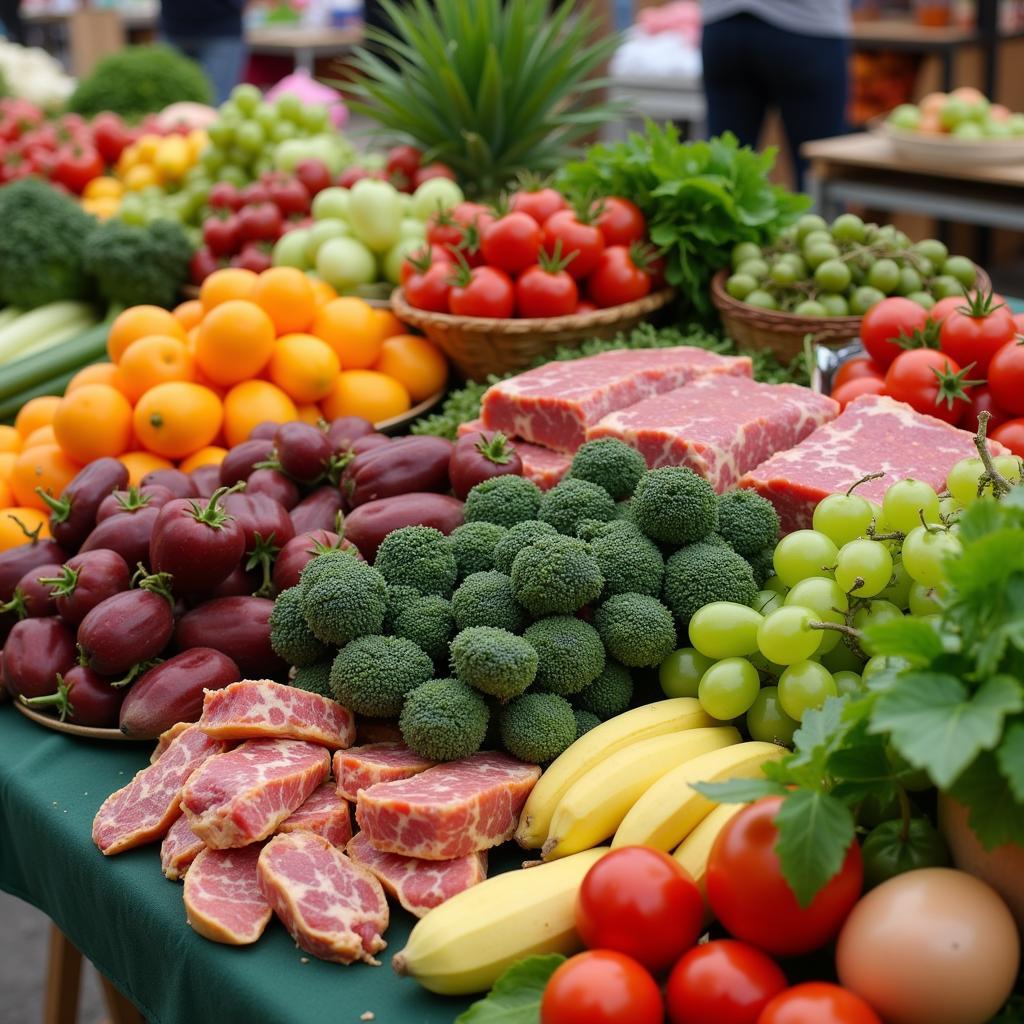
179 849
362 767
324 813
541 465
223 900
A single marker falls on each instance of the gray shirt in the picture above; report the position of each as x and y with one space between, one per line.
808 17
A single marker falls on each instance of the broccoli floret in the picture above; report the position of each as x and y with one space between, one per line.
701 573
494 661
342 598
556 576
537 727
570 654
505 500
290 637
609 694
444 720
420 557
763 565
609 463
314 678
585 721
518 537
747 521
630 562
399 598
674 506
428 623
486 599
372 674
637 629
571 502
474 544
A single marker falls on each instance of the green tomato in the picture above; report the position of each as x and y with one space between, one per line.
888 853
331 202
848 227
743 251
923 299
864 298
910 281
782 272
932 249
810 222
832 276
323 231
906 117
375 213
945 285
885 276
246 97
810 308
761 299
435 194
835 305
395 257
820 252
345 264
962 269
292 249
757 269
739 286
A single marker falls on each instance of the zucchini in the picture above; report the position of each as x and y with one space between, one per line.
53 386
37 324
88 347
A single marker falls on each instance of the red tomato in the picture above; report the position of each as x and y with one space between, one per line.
1006 377
77 166
254 257
846 393
202 265
930 382
584 306
260 222
541 291
482 291
585 240
818 1002
970 338
1010 433
725 981
539 203
423 259
110 136
402 164
1018 319
429 289
750 897
884 322
443 229
221 235
938 313
617 278
511 243
314 174
224 196
254 192
853 369
428 171
620 221
981 399
641 902
601 987
290 196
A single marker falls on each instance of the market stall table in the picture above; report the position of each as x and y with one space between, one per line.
304 45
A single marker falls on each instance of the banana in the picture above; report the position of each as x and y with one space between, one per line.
592 748
466 943
694 850
593 807
668 812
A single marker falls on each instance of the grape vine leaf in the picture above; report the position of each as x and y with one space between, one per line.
865 761
996 816
1010 755
740 791
516 995
905 637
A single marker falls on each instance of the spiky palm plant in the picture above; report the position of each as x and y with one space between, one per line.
490 88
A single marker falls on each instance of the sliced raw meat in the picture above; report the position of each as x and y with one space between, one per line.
362 767
223 899
145 809
377 730
253 709
718 426
242 796
553 405
324 813
418 885
179 849
165 740
331 907
872 434
541 465
448 811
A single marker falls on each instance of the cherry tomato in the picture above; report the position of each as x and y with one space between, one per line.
751 898
1018 319
885 321
77 166
546 292
846 393
480 456
224 196
253 193
929 382
444 230
975 333
314 174
725 981
422 259
1010 433
539 203
402 164
641 902
818 1002
585 240
482 291
620 220
290 196
854 369
253 256
110 136
511 243
429 289
428 171
1006 377
221 235
617 278
260 222
601 987
981 399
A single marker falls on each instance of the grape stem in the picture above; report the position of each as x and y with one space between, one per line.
930 527
838 627
864 480
1000 485
893 535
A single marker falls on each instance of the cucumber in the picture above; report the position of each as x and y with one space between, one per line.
88 347
53 386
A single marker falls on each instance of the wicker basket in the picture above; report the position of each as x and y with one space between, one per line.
479 346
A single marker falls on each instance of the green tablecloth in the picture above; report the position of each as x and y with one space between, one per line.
129 920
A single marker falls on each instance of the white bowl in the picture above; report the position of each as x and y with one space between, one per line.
929 150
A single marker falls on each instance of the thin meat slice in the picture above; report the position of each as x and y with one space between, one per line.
541 465
362 767
179 849
418 885
332 908
448 811
324 813
719 426
165 740
145 809
223 900
242 796
258 708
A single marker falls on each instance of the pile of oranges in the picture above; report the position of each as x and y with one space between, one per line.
182 387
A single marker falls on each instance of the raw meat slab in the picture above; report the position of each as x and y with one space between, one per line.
223 900
362 767
718 426
324 813
179 849
541 465
448 811
553 405
242 796
418 885
332 908
165 738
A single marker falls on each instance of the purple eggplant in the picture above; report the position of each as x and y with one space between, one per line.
132 500
33 598
303 451
407 464
83 697
263 431
87 580
127 533
206 479
238 627
346 430
300 550
239 463
15 562
127 629
274 484
369 524
181 485
35 653
73 514
319 510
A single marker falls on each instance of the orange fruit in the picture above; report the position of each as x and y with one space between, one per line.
350 326
10 439
151 361
189 313
234 342
211 455
309 413
139 464
226 284
414 362
12 534
140 322
287 297
303 366
366 393
388 325
36 412
96 373
92 422
41 435
7 460
6 494
252 402
322 290
177 418
47 467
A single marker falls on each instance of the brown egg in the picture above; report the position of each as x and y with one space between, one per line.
934 946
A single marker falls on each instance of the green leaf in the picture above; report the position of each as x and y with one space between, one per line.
996 817
516 996
865 762
905 637
815 831
739 791
1010 757
820 732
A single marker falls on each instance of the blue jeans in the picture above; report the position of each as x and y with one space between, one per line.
221 57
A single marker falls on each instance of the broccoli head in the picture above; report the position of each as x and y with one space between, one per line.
609 463
314 678
637 629
290 637
571 502
701 573
494 661
320 565
420 557
428 623
672 505
486 599
341 598
570 654
474 544
516 538
763 564
505 500
609 694
630 562
537 727
556 576
585 721
747 521
399 598
371 675
444 720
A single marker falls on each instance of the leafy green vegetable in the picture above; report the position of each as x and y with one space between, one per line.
516 996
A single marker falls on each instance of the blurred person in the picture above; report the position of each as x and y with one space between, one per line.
10 17
210 32
790 54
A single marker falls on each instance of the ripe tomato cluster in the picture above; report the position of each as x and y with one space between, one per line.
403 167
538 258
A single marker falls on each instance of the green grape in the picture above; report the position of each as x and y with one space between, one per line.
820 252
842 517
766 601
768 669
923 600
898 591
724 629
828 602
775 584
906 501
922 298
246 97
900 239
885 276
803 554
925 552
835 305
842 659
848 683
782 272
810 308
867 561
874 613
680 673
910 281
739 286
864 298
848 227
265 116
962 269
946 286
803 686
787 636
881 663
818 237
756 269
932 249
728 688
250 137
767 722
832 276
761 299
743 251
796 262
810 222
962 482
284 130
